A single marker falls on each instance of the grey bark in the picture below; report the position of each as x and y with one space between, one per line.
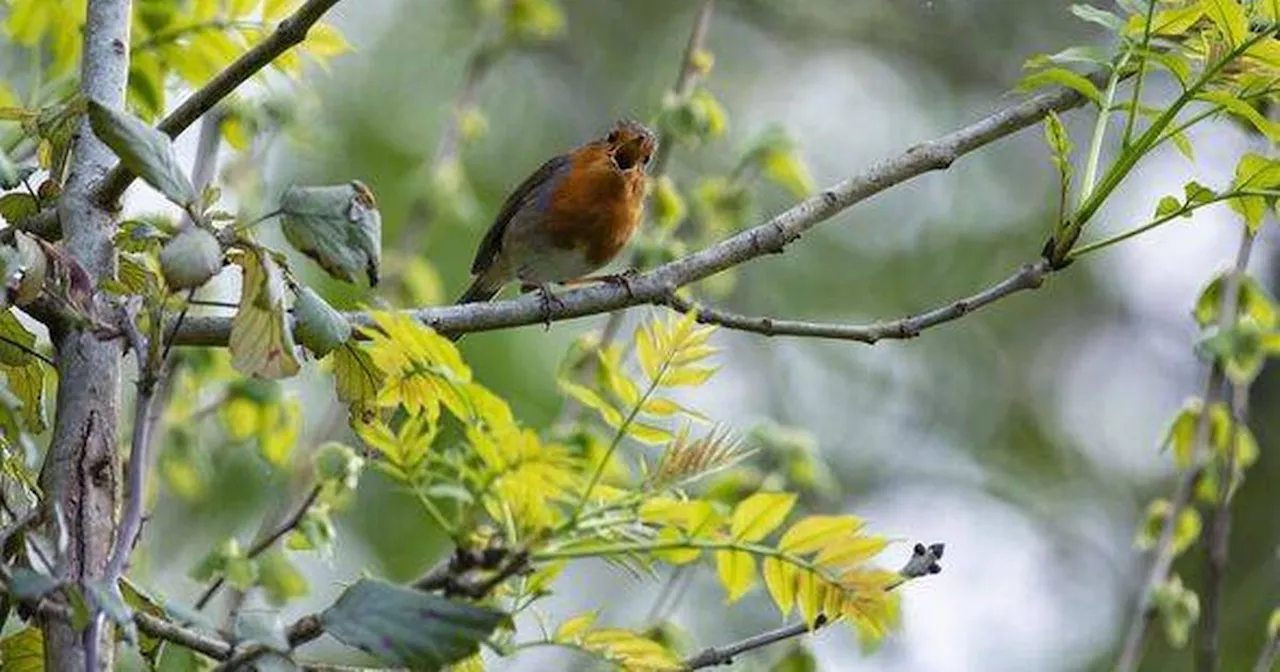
81 475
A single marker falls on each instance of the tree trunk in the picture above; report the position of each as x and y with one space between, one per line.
81 475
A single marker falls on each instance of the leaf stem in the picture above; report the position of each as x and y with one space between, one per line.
1142 70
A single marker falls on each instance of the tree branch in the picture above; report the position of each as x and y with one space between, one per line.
1030 276
771 237
288 33
923 561
136 471
266 542
1163 554
81 470
1218 552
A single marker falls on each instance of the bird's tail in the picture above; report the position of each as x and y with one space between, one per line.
482 289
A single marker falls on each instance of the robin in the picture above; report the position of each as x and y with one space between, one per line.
568 219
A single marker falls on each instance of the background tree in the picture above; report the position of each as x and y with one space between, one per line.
475 496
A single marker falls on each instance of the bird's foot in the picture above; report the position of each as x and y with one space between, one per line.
548 298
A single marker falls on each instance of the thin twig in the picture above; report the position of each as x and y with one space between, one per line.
286 526
289 33
1217 553
1030 276
923 561
1162 554
769 237
135 471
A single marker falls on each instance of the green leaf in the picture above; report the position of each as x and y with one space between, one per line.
1167 206
339 227
1101 17
1196 193
1244 110
1252 300
23 372
402 626
145 151
669 208
320 328
16 207
1179 609
23 651
261 342
1062 77
1254 172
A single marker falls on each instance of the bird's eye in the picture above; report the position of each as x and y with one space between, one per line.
613 136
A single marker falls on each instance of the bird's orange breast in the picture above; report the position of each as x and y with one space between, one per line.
596 207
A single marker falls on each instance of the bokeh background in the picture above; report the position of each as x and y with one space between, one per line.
1025 436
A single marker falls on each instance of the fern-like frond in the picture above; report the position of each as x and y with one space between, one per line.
686 460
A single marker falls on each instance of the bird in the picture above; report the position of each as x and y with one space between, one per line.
568 219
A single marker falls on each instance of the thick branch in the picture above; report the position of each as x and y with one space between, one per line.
80 475
1030 276
288 34
1163 554
770 237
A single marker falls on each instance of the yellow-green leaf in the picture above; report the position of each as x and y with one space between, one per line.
1230 18
760 514
677 554
689 376
780 579
811 593
240 8
692 516
661 407
1244 110
588 397
737 572
274 10
572 629
261 340
648 434
324 41
851 551
23 651
1062 77
816 532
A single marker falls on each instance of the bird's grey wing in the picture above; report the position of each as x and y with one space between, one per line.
537 187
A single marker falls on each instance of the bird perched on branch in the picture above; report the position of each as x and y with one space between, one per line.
568 219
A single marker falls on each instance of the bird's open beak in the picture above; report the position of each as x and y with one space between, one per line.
630 153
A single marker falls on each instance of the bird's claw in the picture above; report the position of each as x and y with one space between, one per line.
623 279
548 298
